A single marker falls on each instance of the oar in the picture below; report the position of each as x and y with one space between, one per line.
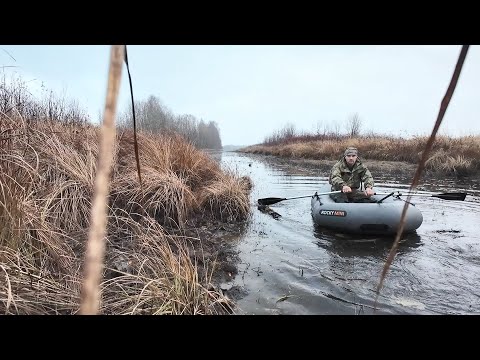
274 200
444 196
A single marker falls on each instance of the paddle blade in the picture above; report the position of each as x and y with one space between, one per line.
452 196
269 201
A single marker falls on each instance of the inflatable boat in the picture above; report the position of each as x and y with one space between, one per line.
381 216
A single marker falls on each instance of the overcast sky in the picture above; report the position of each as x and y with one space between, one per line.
252 91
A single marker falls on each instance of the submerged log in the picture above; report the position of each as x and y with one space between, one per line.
267 210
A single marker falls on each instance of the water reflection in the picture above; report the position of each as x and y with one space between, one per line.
350 245
216 155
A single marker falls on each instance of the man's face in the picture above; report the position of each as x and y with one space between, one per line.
350 159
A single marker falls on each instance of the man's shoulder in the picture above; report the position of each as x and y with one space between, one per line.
359 165
338 164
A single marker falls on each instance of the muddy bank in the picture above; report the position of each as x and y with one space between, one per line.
212 247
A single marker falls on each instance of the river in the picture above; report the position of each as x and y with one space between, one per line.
287 266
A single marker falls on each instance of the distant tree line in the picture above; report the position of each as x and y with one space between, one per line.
151 115
289 134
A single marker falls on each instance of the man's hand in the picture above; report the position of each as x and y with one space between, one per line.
368 192
346 189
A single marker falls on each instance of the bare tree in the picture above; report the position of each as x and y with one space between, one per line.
336 129
288 132
353 125
187 126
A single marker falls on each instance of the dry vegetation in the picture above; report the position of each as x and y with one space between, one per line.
449 156
47 174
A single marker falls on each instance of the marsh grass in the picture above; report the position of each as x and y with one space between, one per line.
451 156
47 179
226 198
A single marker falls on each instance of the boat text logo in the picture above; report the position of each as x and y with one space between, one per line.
333 213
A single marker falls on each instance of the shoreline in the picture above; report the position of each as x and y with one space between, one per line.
389 167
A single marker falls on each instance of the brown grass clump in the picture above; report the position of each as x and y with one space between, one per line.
226 198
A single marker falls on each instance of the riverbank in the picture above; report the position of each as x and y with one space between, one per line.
449 156
167 248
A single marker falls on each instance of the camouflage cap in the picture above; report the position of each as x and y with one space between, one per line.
350 151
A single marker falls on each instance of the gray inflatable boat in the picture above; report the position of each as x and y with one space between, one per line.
364 218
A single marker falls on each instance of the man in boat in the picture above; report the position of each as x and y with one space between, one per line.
347 175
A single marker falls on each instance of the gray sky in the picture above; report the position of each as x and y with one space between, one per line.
252 91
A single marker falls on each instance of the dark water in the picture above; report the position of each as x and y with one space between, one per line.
289 267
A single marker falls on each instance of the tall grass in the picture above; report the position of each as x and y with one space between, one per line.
47 174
